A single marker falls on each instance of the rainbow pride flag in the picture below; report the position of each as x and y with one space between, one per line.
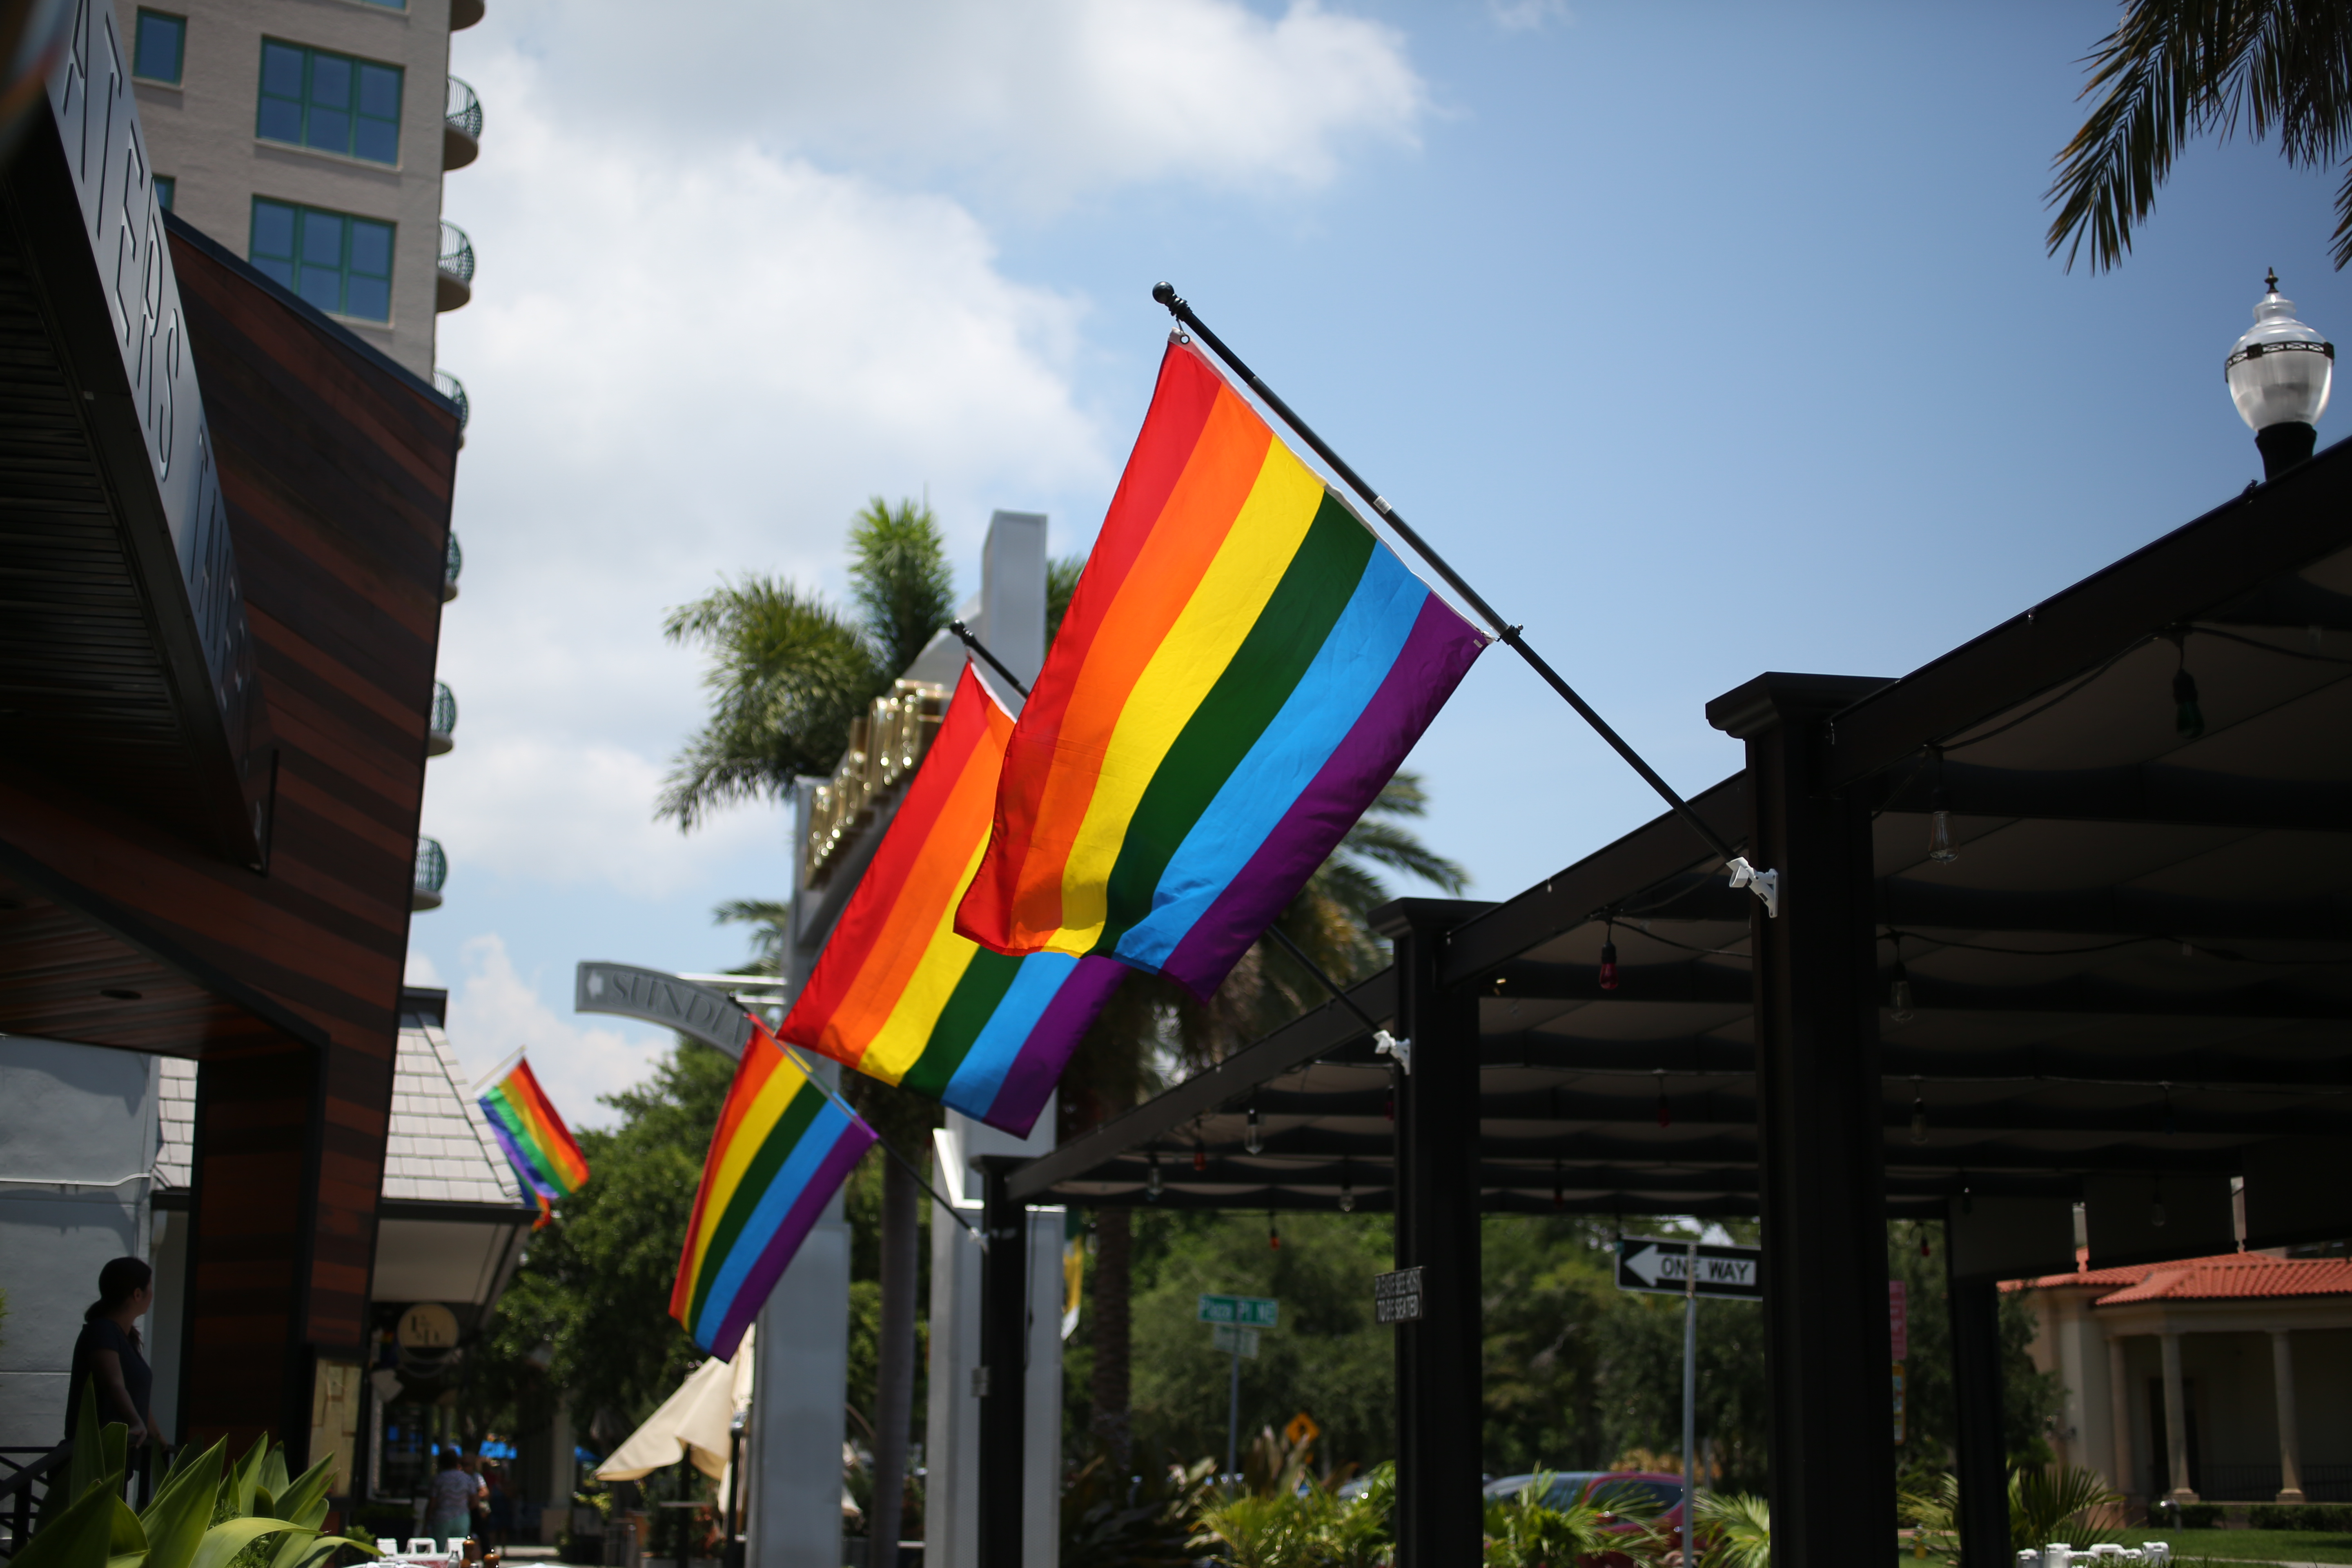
898 995
782 1149
537 1145
1242 668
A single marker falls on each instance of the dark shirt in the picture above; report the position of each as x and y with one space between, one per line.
106 1334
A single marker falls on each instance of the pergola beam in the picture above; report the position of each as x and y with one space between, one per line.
2146 793
2184 1067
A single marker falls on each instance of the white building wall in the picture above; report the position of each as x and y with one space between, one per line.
75 1173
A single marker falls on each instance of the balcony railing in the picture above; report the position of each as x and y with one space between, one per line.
461 126
450 387
455 286
438 738
455 563
432 870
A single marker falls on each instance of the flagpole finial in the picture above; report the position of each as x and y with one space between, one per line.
1166 294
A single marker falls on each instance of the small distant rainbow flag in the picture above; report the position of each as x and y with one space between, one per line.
1242 668
782 1149
537 1143
899 995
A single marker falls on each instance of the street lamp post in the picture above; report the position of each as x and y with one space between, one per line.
2279 375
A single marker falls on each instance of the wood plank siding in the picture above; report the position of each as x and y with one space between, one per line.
337 467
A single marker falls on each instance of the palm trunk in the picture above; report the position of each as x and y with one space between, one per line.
1111 1416
895 1374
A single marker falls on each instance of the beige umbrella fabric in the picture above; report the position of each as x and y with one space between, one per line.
692 1423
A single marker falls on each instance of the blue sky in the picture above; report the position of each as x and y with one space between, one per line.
1707 339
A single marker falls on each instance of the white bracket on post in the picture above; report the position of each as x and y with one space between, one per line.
1387 1045
1764 885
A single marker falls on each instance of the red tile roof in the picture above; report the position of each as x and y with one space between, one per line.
2232 1276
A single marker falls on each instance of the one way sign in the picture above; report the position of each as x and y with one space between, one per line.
1646 1263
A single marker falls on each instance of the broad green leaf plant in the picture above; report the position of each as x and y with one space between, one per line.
206 1515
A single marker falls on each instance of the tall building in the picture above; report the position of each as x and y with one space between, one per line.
311 137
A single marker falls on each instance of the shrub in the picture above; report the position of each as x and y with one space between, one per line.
2198 1516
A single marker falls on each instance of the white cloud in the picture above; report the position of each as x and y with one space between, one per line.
680 371
422 971
1048 98
494 1012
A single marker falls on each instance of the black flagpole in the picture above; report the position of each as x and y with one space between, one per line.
1765 883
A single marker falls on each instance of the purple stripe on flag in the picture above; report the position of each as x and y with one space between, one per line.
522 1167
777 1256
1034 1072
1435 657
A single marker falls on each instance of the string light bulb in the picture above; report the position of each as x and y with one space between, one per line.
1918 1120
1273 1232
1254 1140
1899 1003
1941 847
1151 1183
1608 958
2155 1214
1347 1191
2188 717
1200 1157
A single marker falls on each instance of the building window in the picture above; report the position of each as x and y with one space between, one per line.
159 46
340 263
165 188
330 103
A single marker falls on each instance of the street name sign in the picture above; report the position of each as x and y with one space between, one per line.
1236 1341
1648 1263
1396 1297
1243 1311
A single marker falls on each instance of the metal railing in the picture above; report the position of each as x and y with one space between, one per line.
456 253
465 111
432 871
450 387
27 1468
451 566
444 720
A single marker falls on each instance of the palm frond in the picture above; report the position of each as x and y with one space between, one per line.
899 578
1400 850
788 675
1061 583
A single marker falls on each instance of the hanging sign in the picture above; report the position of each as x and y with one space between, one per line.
1898 1320
1648 1263
1396 1297
1898 1402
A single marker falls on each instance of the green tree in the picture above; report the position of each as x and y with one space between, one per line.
2175 70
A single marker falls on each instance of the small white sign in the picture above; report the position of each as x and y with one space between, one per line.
1234 1340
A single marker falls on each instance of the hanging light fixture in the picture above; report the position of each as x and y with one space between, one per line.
1940 847
2155 1214
1253 1141
1918 1118
2279 375
1200 1157
1899 1005
1151 1183
1273 1234
2188 717
1347 1190
1608 957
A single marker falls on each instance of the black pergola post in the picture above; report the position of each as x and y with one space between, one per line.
1983 1467
1440 1517
1820 1126
1003 1358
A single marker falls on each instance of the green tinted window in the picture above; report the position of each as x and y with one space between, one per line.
332 103
159 46
340 263
167 187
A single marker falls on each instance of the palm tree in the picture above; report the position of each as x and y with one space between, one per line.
2174 70
789 674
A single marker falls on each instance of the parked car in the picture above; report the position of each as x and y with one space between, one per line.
1649 1488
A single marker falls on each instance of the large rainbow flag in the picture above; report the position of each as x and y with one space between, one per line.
1242 668
537 1145
899 995
782 1149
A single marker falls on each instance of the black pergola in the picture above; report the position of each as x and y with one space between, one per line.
2129 989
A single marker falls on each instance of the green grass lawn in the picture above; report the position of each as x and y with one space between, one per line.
2251 1545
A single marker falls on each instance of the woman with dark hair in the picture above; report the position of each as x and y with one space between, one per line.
109 1351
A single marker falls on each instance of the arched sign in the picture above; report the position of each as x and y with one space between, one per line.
691 1009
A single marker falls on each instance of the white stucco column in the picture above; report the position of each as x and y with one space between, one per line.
2176 1421
2290 1447
2119 1417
